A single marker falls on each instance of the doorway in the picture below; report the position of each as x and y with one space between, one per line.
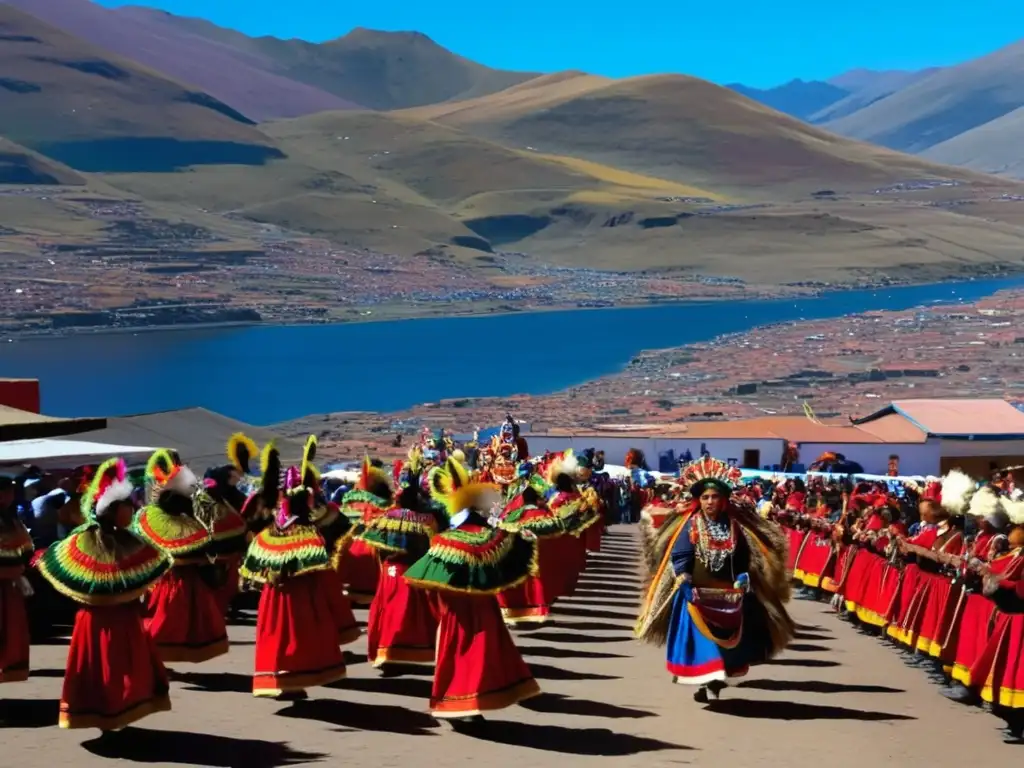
751 459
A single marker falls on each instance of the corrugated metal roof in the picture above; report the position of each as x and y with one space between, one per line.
16 424
964 418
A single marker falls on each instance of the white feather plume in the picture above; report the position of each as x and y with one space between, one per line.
1014 510
119 490
983 503
957 489
184 481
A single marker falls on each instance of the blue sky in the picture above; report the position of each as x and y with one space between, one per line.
757 43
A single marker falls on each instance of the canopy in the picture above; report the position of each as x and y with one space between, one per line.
66 454
769 475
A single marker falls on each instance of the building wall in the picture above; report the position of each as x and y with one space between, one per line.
615 447
915 458
975 457
22 394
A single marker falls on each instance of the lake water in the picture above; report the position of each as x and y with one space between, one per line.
267 374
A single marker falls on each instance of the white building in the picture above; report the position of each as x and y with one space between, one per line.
929 437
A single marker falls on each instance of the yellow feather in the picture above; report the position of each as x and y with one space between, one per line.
268 450
240 440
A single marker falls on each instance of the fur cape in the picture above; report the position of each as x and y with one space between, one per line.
768 580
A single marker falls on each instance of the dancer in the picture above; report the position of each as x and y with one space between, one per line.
114 675
717 596
479 669
354 560
15 554
219 506
531 601
402 624
287 560
183 615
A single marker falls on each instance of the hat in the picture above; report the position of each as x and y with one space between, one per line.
109 486
698 475
957 491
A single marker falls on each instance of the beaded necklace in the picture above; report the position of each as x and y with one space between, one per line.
714 540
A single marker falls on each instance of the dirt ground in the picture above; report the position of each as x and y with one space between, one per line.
836 698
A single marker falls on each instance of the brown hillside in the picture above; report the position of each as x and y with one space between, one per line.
379 70
19 165
92 111
680 128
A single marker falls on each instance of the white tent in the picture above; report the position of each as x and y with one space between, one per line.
66 454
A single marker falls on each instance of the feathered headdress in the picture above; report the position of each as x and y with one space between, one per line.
109 485
1014 510
373 479
165 472
984 503
957 490
708 471
310 474
452 486
270 474
242 450
566 464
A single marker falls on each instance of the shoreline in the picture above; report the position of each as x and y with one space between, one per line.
799 292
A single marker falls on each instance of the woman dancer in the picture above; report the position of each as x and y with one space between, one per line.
717 597
478 669
15 554
114 675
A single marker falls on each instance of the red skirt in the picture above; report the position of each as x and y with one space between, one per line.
936 615
813 559
226 592
796 540
865 569
184 618
293 652
341 608
360 571
526 603
836 581
1001 666
402 625
565 549
972 634
881 593
14 633
555 573
907 611
114 675
479 668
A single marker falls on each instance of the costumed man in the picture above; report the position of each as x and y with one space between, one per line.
402 624
288 561
218 507
718 595
354 560
15 554
183 615
114 676
531 601
478 667
335 529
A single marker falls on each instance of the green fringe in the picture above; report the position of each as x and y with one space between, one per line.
400 531
496 560
277 554
540 522
75 566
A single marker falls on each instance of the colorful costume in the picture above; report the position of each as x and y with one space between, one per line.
15 554
114 675
289 561
402 624
478 667
531 601
356 562
183 615
717 597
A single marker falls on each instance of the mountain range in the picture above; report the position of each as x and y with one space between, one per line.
388 141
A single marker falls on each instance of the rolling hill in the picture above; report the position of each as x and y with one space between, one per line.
681 129
19 165
865 87
993 147
379 70
79 105
943 105
243 81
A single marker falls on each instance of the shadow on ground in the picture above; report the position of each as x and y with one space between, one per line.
556 703
811 663
29 713
384 718
143 745
571 741
815 686
789 710
548 652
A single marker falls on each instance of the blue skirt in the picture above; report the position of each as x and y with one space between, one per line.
706 640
